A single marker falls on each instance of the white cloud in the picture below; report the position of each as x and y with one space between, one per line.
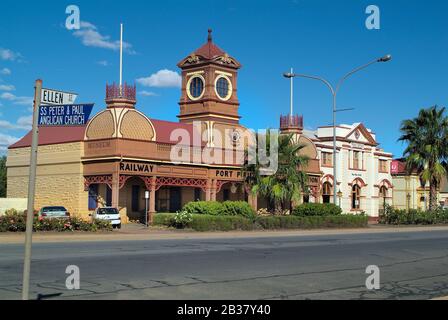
90 37
148 93
103 63
162 79
23 123
9 55
5 71
5 87
23 101
6 141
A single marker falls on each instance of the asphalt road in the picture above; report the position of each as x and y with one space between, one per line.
413 265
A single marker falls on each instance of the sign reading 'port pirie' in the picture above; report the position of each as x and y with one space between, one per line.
65 115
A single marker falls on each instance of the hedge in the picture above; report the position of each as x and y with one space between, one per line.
226 208
226 223
413 217
16 222
312 222
317 209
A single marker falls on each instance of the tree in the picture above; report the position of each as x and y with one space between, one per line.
427 150
3 177
285 186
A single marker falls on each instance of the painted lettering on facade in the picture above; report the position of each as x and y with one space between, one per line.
136 167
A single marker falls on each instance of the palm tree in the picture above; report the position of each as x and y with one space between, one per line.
427 150
285 186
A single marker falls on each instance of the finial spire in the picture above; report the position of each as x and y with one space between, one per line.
209 38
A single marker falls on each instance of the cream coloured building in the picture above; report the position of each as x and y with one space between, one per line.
364 181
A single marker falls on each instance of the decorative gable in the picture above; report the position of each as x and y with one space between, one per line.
360 134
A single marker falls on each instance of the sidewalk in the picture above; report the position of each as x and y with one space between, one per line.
135 232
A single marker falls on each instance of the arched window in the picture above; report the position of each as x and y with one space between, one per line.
326 192
356 197
383 198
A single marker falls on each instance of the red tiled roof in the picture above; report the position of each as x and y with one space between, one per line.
209 50
53 135
165 128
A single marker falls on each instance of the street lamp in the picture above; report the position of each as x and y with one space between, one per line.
340 197
334 92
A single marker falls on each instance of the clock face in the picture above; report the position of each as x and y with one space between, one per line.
223 87
235 136
195 87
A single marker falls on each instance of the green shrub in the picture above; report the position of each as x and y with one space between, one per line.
164 219
183 219
16 222
413 217
13 222
203 207
201 222
220 223
237 208
312 222
227 208
316 209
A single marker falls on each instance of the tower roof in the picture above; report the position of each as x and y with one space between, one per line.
209 52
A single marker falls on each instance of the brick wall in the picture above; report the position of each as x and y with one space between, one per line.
59 176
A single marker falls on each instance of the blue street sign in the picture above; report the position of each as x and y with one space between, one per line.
65 114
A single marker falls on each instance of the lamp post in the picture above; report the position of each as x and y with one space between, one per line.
340 197
146 207
334 92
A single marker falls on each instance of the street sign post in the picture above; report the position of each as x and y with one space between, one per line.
51 108
56 97
31 191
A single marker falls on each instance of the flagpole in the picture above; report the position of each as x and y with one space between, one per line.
292 96
121 56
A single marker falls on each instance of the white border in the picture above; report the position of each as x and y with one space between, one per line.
229 93
188 87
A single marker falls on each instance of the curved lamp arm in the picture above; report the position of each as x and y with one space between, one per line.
327 83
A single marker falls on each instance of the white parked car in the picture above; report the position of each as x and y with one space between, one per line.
109 214
53 212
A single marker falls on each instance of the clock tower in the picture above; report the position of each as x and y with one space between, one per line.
209 86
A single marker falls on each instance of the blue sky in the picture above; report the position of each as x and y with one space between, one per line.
319 37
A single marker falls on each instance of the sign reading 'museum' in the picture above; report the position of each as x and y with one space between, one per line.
136 167
65 115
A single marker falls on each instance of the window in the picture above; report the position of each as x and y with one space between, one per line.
383 198
356 197
93 196
196 87
306 198
327 159
356 158
135 198
326 192
197 194
222 87
383 166
108 196
226 194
